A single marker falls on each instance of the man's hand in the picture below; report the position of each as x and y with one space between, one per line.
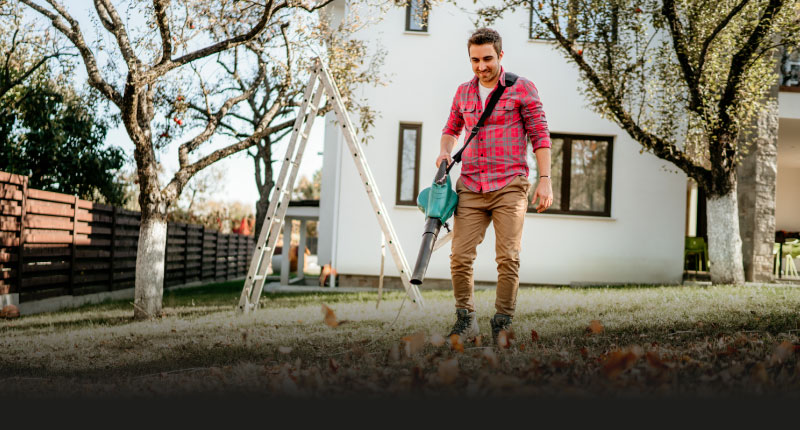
544 192
444 156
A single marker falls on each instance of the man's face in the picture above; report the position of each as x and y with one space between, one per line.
485 62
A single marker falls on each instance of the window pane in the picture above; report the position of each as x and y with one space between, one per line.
556 161
418 15
587 188
408 165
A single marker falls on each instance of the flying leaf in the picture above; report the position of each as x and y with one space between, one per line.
414 343
455 343
448 371
330 316
436 340
503 339
490 357
781 352
595 327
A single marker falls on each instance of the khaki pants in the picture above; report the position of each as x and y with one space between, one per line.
505 208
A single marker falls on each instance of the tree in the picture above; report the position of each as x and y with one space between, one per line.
48 131
684 78
286 52
153 51
309 189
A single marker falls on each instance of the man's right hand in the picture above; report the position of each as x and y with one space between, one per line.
444 156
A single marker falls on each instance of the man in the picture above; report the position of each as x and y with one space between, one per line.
493 185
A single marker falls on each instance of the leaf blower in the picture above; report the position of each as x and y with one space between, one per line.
438 202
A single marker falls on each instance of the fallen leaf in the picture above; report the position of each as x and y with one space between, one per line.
414 343
534 336
394 353
455 343
448 371
595 327
491 357
330 316
619 361
759 373
781 352
654 360
584 352
284 349
436 340
333 365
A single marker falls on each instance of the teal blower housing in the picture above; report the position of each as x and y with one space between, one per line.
438 202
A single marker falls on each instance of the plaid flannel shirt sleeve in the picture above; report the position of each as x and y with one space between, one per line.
533 116
455 122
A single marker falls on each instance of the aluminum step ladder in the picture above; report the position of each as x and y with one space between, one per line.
320 82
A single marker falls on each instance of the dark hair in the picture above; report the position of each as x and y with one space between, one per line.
486 35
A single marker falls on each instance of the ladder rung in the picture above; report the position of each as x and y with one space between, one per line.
258 277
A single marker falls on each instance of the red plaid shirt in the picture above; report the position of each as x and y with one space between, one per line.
497 153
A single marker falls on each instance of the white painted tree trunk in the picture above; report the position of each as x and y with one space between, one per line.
724 241
149 286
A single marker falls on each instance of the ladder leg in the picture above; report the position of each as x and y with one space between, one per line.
369 183
265 246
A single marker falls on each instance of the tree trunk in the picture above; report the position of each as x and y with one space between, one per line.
149 284
724 242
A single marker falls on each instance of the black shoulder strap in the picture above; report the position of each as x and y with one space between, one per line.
510 80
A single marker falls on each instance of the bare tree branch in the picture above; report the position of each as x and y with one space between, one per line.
160 7
119 32
73 33
682 52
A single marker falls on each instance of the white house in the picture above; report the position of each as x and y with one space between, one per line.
623 220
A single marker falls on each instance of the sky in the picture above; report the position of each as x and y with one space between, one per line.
239 170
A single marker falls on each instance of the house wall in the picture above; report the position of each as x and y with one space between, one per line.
787 200
642 241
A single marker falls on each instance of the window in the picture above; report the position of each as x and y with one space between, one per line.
790 71
408 164
417 15
580 170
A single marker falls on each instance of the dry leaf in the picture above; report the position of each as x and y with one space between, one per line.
595 327
333 365
534 336
654 360
455 343
414 343
394 353
330 317
619 361
448 371
436 340
503 339
783 351
759 373
284 349
584 352
490 357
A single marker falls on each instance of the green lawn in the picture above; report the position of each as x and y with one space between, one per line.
717 341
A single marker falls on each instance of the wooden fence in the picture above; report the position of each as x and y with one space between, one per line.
55 244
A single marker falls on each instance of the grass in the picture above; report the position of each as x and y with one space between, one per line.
655 341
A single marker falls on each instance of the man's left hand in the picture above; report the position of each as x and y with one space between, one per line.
544 192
